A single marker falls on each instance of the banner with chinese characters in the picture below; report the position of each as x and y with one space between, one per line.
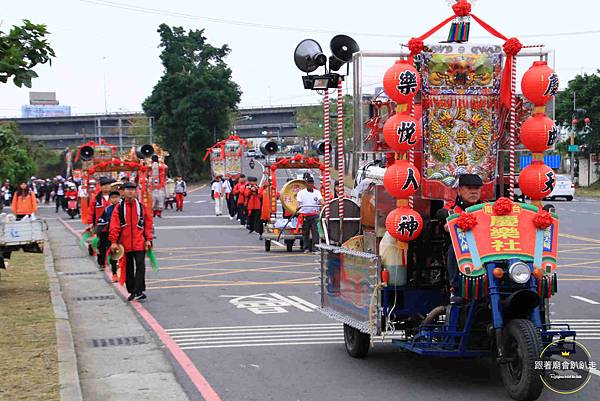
511 236
461 117
233 158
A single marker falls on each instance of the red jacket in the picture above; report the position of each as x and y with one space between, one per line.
71 193
252 199
131 236
95 211
238 191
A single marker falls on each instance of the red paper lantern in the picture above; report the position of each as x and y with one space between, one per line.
404 224
401 179
537 180
538 133
401 82
401 132
539 83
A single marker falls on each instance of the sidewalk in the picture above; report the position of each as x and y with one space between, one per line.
117 357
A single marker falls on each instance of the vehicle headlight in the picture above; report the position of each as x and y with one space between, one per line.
519 272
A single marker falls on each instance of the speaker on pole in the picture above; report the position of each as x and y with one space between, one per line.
144 151
86 153
319 146
309 56
342 47
268 148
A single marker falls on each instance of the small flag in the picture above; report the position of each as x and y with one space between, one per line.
153 260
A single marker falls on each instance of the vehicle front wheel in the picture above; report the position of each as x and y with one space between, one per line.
522 346
569 198
357 342
267 245
289 245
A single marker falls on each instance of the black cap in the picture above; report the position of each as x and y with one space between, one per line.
310 179
129 184
471 180
114 193
105 180
252 179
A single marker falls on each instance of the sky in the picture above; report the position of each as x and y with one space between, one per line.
107 53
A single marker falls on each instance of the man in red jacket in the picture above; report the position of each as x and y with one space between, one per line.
238 191
251 193
131 226
95 211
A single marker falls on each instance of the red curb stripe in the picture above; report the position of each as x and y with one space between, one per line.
199 381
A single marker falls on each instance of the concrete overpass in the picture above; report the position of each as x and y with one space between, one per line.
125 129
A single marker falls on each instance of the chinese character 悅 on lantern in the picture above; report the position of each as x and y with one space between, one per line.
401 132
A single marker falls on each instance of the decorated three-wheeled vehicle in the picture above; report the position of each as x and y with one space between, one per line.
447 109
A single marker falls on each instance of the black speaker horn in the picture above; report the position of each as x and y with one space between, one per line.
342 47
86 153
309 56
319 146
268 148
144 151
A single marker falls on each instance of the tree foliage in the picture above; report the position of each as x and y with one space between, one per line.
193 100
21 49
16 161
587 89
310 121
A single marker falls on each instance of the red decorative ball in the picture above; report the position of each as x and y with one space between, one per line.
401 132
539 83
401 179
537 180
401 82
542 220
466 221
502 206
538 133
404 224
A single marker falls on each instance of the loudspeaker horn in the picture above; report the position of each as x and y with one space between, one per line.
86 153
309 56
268 148
342 47
319 146
144 151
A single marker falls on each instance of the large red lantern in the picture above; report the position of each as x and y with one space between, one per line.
401 82
401 132
539 83
404 224
537 180
538 133
401 179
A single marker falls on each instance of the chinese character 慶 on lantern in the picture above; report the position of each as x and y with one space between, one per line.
401 132
401 82
539 83
538 133
404 224
537 180
401 179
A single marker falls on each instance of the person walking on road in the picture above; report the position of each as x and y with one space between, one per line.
180 193
131 227
6 193
59 195
103 229
218 194
24 202
232 198
253 206
310 202
227 189
95 211
238 192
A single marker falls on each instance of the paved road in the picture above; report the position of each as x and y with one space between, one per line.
247 318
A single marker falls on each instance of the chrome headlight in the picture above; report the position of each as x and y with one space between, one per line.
519 272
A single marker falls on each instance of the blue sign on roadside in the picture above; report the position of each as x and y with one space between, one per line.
573 148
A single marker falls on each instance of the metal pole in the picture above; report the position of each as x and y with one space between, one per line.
120 135
151 129
572 137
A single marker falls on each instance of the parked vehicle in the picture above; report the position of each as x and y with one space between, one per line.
251 153
564 188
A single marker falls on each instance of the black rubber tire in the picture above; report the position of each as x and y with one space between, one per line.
523 345
267 245
289 245
569 198
357 343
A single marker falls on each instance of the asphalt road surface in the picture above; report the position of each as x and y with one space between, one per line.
248 319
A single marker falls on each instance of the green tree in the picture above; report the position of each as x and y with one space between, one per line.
310 122
586 88
21 49
16 161
194 99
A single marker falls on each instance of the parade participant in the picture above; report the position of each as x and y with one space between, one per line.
159 180
180 192
131 227
251 193
468 194
232 199
24 202
103 229
264 193
217 194
59 194
6 193
310 202
49 191
227 190
238 192
96 208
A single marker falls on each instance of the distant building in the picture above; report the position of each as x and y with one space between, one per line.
44 104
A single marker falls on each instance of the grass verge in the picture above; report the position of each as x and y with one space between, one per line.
29 367
591 191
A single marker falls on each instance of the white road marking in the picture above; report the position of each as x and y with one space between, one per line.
279 244
183 216
256 327
201 201
589 301
587 329
198 227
